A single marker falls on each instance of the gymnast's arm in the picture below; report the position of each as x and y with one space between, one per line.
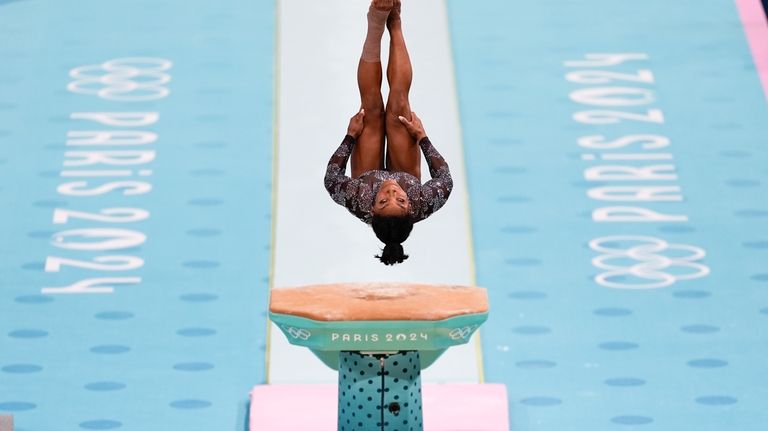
341 187
435 192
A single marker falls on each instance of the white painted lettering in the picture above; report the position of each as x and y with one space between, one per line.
122 157
91 286
613 96
603 60
116 137
647 142
633 214
118 119
116 239
630 173
637 193
81 188
106 215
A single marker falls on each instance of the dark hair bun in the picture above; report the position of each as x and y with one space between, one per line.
392 254
392 231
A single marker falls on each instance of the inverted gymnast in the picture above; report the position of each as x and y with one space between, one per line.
385 189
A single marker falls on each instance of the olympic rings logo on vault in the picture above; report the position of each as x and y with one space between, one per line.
644 262
132 79
298 333
462 333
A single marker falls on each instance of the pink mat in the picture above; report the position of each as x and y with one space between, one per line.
447 407
756 26
6 423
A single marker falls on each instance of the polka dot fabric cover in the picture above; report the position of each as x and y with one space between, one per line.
379 392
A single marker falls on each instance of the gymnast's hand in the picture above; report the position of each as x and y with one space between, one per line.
356 124
414 127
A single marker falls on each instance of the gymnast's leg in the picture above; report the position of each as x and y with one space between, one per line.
403 155
368 154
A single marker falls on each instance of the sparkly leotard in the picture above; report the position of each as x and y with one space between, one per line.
357 194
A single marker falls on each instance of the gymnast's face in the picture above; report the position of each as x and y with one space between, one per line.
391 200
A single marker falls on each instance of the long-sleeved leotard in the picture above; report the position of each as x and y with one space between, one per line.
357 194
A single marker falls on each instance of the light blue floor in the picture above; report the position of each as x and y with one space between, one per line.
180 349
576 355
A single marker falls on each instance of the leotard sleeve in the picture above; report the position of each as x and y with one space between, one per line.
434 193
343 189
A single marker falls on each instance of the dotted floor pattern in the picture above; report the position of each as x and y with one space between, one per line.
180 348
575 353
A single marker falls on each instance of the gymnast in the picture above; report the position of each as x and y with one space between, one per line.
385 189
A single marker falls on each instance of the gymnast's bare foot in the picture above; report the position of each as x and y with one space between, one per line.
394 15
382 5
